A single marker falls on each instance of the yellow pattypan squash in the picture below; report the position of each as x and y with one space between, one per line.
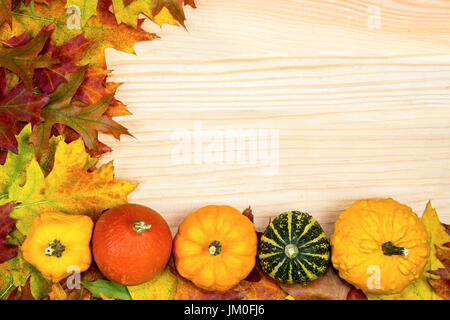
58 241
379 245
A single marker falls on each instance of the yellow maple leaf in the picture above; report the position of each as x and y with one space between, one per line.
69 187
164 17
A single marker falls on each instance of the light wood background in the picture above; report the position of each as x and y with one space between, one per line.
359 96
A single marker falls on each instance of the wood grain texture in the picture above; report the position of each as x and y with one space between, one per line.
340 109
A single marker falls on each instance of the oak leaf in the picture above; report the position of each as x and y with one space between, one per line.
5 12
25 58
86 120
16 105
101 28
67 55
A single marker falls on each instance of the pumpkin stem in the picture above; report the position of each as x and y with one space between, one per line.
389 249
140 226
214 248
291 250
55 248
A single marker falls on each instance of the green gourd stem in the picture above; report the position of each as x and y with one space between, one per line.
214 248
55 248
140 226
389 249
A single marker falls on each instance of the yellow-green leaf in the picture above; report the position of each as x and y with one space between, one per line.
13 171
69 187
129 14
162 287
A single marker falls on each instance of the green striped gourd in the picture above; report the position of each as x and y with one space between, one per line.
294 248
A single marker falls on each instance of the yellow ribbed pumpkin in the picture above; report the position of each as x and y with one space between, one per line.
379 245
215 247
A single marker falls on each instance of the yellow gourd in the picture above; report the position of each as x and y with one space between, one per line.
58 241
379 245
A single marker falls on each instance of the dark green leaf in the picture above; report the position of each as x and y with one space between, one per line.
108 288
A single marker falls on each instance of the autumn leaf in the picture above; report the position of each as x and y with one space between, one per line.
68 55
186 290
5 12
18 104
327 287
72 186
108 34
57 292
104 288
162 287
7 251
14 168
175 7
18 273
129 13
265 288
441 285
95 86
25 58
101 28
86 120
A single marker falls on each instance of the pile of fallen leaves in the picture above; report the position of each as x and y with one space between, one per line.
53 72
54 99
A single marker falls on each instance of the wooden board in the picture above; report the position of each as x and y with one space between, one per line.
289 104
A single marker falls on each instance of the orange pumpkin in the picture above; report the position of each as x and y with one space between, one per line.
131 244
215 247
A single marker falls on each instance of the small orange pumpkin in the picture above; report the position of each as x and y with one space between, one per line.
131 244
215 247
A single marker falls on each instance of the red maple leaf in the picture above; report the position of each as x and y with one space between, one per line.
7 223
